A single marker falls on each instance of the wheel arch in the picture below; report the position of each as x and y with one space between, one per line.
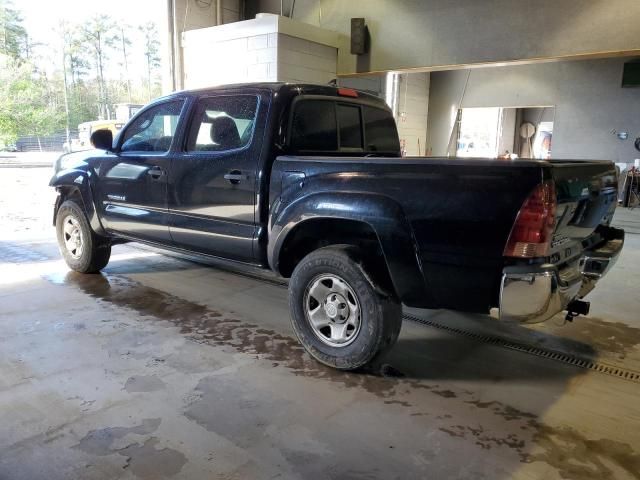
373 222
75 185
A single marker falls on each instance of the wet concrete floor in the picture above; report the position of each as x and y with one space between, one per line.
162 368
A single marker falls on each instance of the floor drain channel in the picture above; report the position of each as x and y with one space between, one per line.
612 370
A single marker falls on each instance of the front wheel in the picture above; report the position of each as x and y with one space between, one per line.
81 248
339 315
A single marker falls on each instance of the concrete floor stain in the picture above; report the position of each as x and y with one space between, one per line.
99 442
575 456
563 448
143 383
150 463
203 325
603 335
145 460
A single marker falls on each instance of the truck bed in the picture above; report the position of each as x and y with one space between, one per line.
459 211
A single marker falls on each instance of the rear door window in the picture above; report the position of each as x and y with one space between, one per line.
314 126
222 123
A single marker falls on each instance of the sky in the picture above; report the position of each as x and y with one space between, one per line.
41 17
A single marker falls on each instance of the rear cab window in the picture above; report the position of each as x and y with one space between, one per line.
332 125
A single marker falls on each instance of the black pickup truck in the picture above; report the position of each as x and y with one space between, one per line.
308 181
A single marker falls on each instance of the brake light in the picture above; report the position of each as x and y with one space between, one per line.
531 233
348 92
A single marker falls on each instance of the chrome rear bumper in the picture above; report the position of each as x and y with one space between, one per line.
535 293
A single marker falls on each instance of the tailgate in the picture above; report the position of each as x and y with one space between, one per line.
587 197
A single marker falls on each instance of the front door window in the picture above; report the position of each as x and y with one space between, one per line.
153 131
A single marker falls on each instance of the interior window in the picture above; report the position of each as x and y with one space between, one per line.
350 126
223 123
153 131
314 126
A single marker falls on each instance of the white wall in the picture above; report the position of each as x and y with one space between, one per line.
587 96
269 48
302 61
440 33
413 112
216 62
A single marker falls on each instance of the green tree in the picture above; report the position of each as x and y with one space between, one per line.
100 36
125 44
29 102
151 52
14 41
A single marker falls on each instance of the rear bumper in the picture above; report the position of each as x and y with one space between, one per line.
535 293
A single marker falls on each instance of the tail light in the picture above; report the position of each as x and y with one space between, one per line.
531 234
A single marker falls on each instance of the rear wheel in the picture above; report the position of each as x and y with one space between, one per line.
341 317
81 248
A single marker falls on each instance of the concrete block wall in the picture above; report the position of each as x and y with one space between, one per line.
269 48
300 60
210 63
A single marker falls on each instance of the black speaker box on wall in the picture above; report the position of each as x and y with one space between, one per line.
358 36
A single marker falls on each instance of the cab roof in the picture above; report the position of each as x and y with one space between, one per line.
292 89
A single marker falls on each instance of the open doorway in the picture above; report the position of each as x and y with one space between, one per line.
506 132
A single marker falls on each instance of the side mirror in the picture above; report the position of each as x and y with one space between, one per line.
102 140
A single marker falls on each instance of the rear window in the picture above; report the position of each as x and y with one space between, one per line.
314 126
380 130
323 126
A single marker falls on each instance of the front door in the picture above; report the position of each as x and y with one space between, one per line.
212 184
133 181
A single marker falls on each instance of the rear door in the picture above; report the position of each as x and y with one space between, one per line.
133 182
212 183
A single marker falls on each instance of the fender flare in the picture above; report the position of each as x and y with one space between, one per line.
76 180
382 214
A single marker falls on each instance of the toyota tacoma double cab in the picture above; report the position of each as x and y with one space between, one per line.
308 181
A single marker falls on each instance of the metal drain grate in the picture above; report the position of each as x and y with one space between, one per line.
561 357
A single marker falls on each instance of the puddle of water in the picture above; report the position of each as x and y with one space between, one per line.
604 336
148 462
143 383
99 442
563 448
145 460
205 325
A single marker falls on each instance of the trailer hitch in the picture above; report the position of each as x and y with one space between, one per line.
575 308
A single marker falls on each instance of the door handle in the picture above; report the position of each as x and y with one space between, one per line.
155 172
235 177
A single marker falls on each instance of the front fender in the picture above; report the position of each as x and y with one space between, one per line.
385 217
66 182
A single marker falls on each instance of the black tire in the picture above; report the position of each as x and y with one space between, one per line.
380 316
95 251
